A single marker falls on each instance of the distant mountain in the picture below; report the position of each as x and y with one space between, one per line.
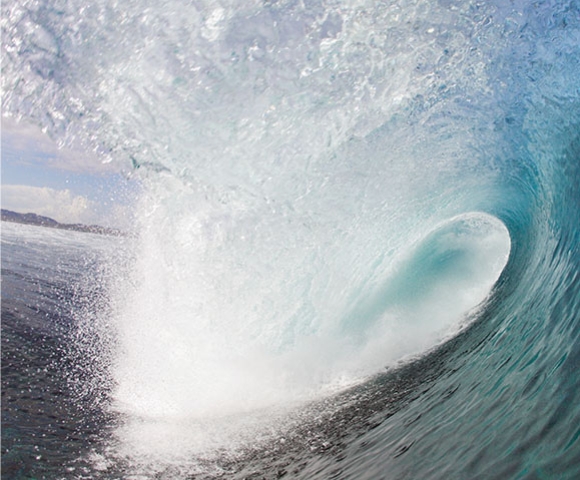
34 219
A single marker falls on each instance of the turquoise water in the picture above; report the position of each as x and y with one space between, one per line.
331 191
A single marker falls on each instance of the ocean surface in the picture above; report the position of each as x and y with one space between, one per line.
356 246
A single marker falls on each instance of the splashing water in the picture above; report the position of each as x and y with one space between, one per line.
189 353
329 189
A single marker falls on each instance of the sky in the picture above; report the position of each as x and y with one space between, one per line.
68 186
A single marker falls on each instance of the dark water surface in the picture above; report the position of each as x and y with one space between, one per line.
48 278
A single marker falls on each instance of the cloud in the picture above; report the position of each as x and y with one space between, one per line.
61 205
30 146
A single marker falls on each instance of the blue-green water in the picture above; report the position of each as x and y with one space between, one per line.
318 286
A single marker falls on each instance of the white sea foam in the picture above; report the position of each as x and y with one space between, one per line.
301 164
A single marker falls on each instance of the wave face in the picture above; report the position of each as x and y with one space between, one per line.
330 189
